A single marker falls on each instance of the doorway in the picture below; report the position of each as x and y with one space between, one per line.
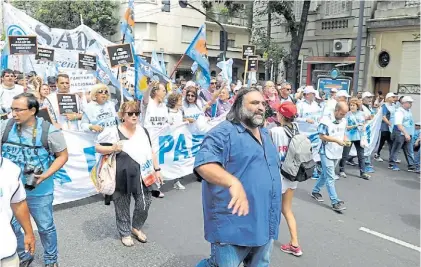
382 84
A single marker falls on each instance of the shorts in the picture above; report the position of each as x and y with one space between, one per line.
288 184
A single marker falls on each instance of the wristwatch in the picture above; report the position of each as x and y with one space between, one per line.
158 170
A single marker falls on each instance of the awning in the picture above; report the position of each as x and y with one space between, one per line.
318 60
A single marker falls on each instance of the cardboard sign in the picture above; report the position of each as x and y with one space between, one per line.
67 103
45 54
23 45
248 50
45 114
87 62
120 55
253 64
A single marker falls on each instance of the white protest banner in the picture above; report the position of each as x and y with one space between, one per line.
80 80
372 130
176 146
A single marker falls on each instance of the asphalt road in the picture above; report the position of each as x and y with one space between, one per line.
388 204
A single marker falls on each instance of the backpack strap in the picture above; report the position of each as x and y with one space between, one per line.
7 130
45 127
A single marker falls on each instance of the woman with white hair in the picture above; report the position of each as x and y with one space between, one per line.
100 112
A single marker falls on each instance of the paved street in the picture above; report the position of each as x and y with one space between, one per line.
388 204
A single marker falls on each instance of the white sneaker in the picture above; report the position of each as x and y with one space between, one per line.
179 186
342 175
398 161
378 158
336 177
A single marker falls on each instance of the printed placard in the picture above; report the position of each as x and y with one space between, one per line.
67 103
45 114
22 45
253 64
87 62
120 55
248 50
45 54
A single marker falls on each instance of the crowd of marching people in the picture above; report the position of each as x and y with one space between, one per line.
263 127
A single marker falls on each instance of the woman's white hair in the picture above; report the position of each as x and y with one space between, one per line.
96 88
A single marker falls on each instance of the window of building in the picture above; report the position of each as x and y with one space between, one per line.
412 2
336 8
188 33
298 9
231 40
209 37
148 30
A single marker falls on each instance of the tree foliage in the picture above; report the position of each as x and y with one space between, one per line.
101 16
233 7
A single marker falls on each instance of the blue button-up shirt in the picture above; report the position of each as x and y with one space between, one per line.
257 167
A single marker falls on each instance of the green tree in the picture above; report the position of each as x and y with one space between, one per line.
101 16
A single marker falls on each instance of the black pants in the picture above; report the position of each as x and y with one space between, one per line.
385 137
360 155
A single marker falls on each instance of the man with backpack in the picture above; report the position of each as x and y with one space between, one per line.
39 149
332 134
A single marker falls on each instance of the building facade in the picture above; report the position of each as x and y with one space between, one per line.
394 50
329 40
170 33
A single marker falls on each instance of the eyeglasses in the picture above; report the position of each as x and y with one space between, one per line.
190 95
17 110
213 83
105 92
130 114
288 89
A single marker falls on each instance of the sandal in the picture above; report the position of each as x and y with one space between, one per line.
140 236
127 241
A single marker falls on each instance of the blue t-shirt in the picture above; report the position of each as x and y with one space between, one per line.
352 119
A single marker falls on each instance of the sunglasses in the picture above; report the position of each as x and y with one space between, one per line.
102 92
130 114
190 95
213 83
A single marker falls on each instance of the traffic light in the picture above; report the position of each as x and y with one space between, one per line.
223 40
182 3
166 6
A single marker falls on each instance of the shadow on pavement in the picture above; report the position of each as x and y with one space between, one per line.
412 220
409 184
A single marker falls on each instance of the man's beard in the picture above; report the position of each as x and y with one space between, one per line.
251 119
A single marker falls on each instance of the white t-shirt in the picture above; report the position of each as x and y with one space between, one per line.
193 110
11 191
175 117
6 97
281 141
155 114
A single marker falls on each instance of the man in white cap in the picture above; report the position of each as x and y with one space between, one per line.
388 112
309 115
367 99
403 130
340 96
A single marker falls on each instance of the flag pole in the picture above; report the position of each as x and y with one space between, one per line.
178 64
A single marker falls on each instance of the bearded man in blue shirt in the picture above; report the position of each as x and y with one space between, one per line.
242 186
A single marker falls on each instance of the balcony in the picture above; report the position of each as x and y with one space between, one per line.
223 18
335 26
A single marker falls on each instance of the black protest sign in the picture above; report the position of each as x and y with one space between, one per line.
253 64
45 114
45 54
67 103
248 50
87 62
22 45
120 55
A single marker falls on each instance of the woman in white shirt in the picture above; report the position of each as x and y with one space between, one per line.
193 106
155 112
286 113
175 113
100 112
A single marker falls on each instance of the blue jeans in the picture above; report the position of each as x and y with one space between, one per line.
225 255
408 149
327 177
41 209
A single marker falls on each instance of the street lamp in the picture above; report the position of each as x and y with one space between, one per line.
224 36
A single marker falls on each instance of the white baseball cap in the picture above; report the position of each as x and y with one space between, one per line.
334 90
391 95
418 123
190 83
407 99
309 90
317 94
367 94
342 93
